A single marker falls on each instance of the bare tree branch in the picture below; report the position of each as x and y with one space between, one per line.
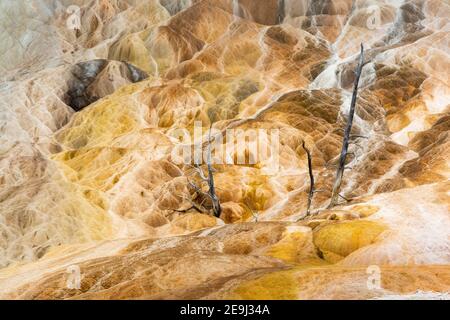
209 179
200 172
341 196
212 191
346 140
353 136
198 208
311 179
254 214
281 14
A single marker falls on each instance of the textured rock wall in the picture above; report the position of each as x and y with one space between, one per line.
87 123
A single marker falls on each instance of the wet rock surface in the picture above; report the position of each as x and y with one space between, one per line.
88 176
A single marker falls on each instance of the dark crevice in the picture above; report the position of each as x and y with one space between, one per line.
85 73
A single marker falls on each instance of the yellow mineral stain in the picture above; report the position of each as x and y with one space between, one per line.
338 240
294 247
97 168
279 285
365 211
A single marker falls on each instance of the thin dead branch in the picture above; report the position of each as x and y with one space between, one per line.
209 180
311 179
346 140
254 214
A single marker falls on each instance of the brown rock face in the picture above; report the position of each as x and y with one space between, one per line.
105 114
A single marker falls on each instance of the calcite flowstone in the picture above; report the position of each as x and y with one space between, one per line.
338 240
90 116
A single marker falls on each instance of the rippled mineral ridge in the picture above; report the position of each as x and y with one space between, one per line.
86 173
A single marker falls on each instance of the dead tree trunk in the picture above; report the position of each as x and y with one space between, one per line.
311 179
281 12
217 209
343 157
209 180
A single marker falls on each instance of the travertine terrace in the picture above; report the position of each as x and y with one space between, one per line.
92 91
